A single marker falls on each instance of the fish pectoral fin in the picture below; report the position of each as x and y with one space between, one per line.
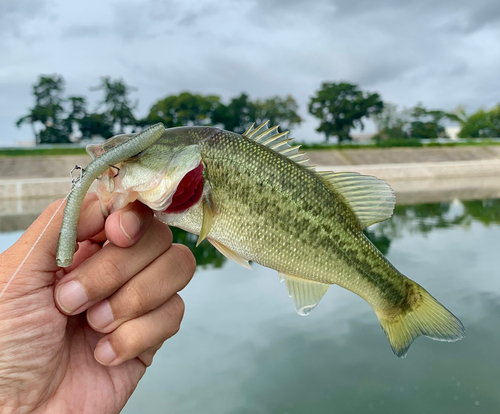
206 224
305 294
230 254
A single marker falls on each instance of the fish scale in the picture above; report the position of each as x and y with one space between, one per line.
313 221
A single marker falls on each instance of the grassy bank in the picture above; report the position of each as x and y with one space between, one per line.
398 144
19 152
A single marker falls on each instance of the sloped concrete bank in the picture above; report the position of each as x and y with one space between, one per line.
29 184
434 181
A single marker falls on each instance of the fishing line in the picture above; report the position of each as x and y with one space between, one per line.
36 242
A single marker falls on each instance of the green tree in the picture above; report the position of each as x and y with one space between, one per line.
48 111
77 111
206 255
237 116
428 124
184 109
341 107
391 123
481 124
95 124
117 105
278 111
89 124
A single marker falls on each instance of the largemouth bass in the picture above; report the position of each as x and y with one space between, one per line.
255 198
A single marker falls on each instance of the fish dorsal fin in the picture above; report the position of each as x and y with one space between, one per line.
371 198
305 294
230 254
277 141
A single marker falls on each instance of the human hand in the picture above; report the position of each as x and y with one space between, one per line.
49 350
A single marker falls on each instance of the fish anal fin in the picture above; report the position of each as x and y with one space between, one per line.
230 254
305 294
371 198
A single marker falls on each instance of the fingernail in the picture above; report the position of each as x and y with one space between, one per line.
130 224
101 314
104 353
71 296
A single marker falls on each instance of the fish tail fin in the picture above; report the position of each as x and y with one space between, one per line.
423 315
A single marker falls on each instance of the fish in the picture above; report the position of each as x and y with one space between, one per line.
256 199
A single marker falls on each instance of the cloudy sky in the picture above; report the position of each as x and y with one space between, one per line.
441 52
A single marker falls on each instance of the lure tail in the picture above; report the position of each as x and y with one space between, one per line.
426 316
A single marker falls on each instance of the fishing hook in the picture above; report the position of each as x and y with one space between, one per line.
117 169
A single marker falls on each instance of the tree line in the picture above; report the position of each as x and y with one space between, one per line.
340 107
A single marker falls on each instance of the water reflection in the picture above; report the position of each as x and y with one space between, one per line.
424 218
206 255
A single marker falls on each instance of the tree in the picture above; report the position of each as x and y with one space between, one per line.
341 107
278 111
48 111
184 109
481 124
237 116
77 111
391 123
427 124
116 102
95 124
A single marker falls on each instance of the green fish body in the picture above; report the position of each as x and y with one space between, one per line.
256 199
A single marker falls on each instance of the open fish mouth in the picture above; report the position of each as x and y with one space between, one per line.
188 192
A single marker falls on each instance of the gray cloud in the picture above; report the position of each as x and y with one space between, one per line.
145 19
442 53
89 30
13 14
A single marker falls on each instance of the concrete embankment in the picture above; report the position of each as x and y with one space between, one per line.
28 184
420 175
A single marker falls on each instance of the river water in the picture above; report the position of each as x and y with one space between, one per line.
243 349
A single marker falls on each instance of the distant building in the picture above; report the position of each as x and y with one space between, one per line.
25 143
362 137
452 131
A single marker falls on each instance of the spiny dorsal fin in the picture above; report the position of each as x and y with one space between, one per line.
277 141
371 198
305 294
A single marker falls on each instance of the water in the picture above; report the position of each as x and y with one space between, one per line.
243 349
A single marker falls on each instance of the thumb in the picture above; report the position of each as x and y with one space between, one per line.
38 251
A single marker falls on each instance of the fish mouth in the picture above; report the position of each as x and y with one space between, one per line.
188 192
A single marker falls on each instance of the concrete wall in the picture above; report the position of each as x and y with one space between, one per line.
406 155
40 166
475 170
60 166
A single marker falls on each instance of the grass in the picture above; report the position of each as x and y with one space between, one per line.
18 152
398 143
